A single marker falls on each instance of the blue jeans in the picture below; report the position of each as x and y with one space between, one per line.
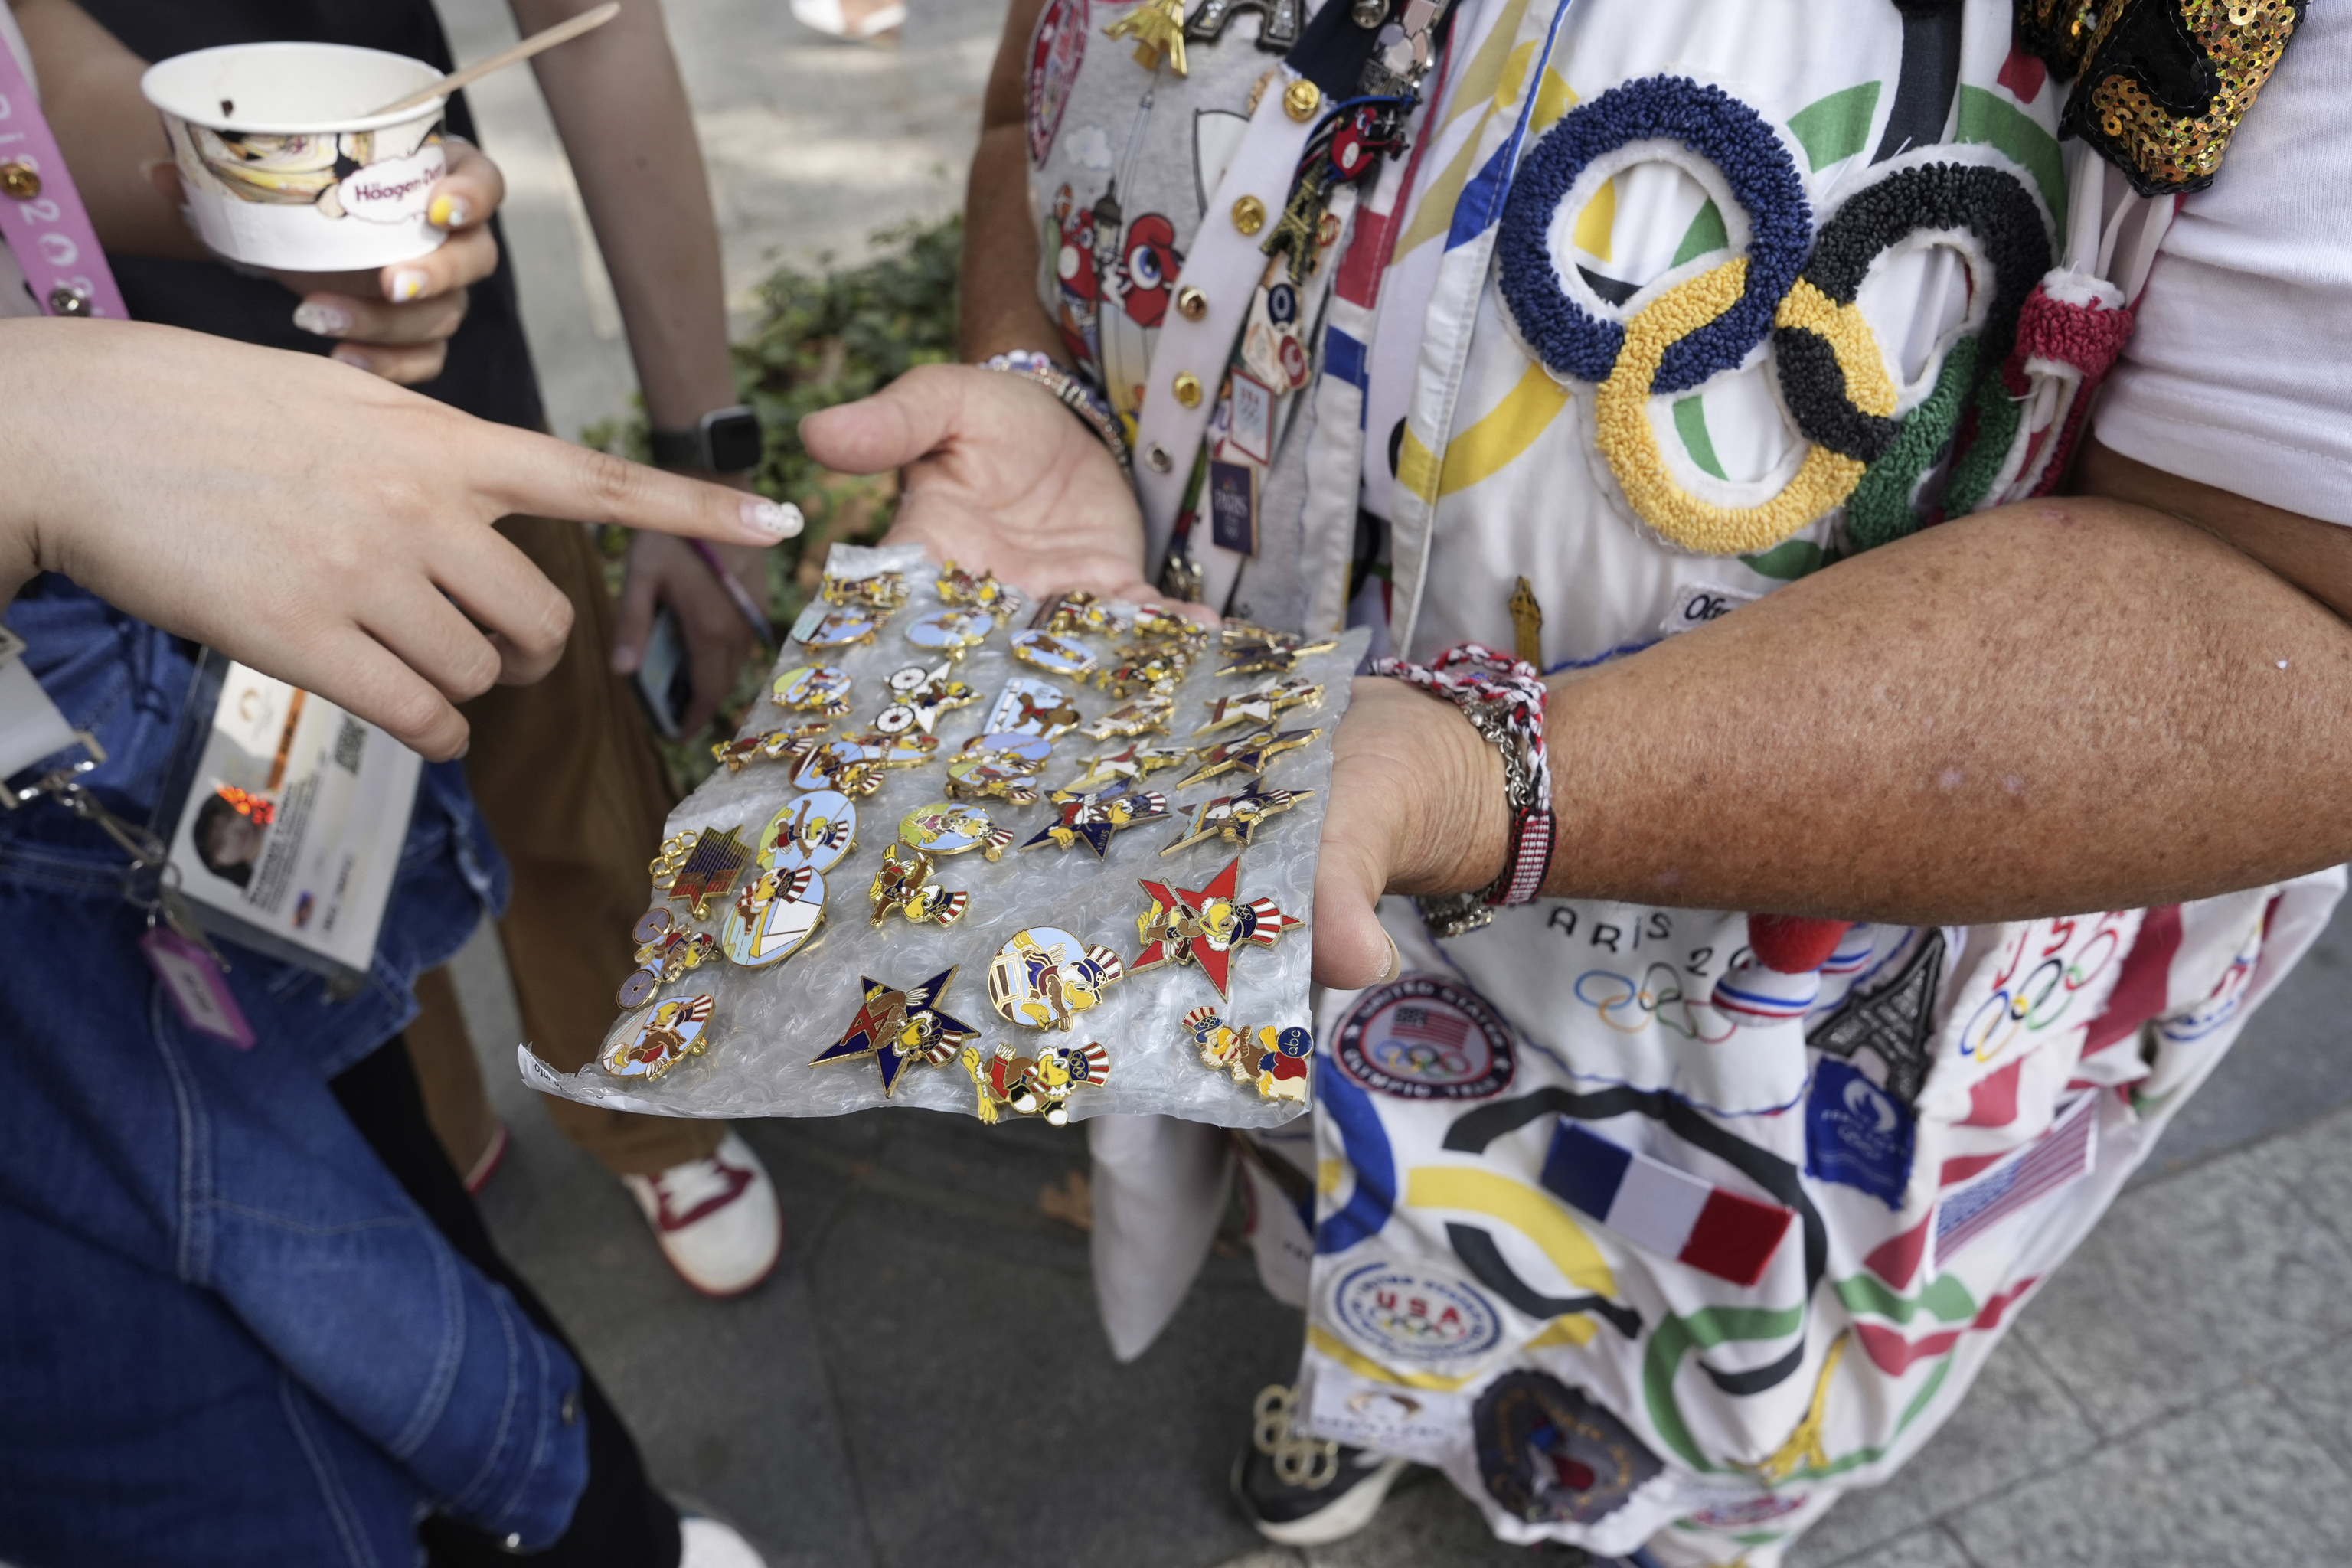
232 1337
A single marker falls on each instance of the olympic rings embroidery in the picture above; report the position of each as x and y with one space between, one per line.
2027 1006
1798 290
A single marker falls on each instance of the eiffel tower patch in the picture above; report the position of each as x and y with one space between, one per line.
1896 1020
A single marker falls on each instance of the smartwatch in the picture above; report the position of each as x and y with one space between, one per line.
723 441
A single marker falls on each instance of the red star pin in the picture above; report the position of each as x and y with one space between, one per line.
1204 926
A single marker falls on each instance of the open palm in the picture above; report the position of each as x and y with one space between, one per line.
998 477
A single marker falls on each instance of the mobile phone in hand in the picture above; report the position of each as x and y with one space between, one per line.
666 676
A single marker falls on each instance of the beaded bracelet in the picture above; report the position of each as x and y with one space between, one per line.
1504 701
1075 394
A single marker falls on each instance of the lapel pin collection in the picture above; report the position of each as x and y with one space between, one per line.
754 894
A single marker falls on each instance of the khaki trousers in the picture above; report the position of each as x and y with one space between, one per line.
566 775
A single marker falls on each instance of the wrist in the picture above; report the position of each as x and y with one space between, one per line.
1460 833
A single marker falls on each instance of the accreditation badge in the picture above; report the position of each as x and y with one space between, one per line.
289 833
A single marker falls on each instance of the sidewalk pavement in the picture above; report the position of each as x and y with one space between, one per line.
923 1381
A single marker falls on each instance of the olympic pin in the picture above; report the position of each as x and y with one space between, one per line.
1254 650
1003 765
1260 705
666 951
696 867
953 632
903 886
669 1034
1113 767
884 590
1206 927
1274 1060
1038 1085
815 830
1091 820
1237 818
901 1028
1146 715
917 698
813 689
1249 754
1031 707
768 746
775 916
960 587
1042 978
1052 652
951 828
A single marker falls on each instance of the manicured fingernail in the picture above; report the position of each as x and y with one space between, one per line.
318 316
351 356
1396 961
771 520
409 283
448 212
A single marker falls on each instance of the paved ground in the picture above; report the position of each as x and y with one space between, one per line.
923 1382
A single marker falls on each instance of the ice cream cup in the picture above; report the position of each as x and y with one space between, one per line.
283 166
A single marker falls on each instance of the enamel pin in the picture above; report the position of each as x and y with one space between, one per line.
1042 978
1091 820
1159 672
666 949
1003 765
1053 652
849 766
1147 715
908 749
821 627
1157 624
1275 1060
813 689
953 632
1237 818
1077 612
669 1034
768 746
917 698
899 1029
816 830
696 867
1250 755
1158 28
884 590
1253 651
904 887
1112 767
1031 707
775 916
1038 1085
957 586
951 829
1261 704
1206 926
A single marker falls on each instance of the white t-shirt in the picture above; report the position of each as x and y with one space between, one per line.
2240 372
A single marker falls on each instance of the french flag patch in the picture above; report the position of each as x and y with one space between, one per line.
1663 1209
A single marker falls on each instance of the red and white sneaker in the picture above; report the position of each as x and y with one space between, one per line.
717 1218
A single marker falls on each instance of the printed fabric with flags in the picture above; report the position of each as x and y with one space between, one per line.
1662 306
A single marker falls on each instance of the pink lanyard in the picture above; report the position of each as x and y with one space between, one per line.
41 215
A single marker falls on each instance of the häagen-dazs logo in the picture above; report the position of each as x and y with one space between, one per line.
1410 1313
395 190
1426 1038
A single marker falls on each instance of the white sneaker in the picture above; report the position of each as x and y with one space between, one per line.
717 1218
707 1544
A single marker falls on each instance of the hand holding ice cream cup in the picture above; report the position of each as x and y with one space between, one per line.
379 222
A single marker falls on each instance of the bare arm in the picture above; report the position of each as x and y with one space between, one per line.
2058 706
89 90
997 287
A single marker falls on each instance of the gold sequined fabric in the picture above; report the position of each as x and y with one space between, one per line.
2163 84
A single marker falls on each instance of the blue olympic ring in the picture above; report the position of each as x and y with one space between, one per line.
1570 339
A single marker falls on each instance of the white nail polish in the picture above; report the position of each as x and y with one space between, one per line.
407 284
326 321
768 518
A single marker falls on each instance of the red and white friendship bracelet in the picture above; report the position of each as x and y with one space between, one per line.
1504 698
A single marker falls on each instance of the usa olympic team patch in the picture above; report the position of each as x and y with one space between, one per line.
1406 1312
1056 50
1426 1038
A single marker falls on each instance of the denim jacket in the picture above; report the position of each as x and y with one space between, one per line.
234 1171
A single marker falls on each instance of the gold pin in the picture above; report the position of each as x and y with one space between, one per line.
1249 214
1300 100
1145 715
1190 303
1042 978
1158 27
1250 755
19 181
1237 818
1261 704
1039 1085
1274 1060
673 1033
1526 624
900 1028
1187 387
904 887
1135 762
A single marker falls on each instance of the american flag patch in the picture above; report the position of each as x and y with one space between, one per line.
1437 1026
2057 1159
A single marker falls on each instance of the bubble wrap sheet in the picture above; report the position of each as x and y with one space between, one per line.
767 1024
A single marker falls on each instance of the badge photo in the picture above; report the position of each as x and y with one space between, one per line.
774 917
669 1034
1042 978
1426 1037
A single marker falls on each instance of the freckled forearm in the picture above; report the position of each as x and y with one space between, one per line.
2061 705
